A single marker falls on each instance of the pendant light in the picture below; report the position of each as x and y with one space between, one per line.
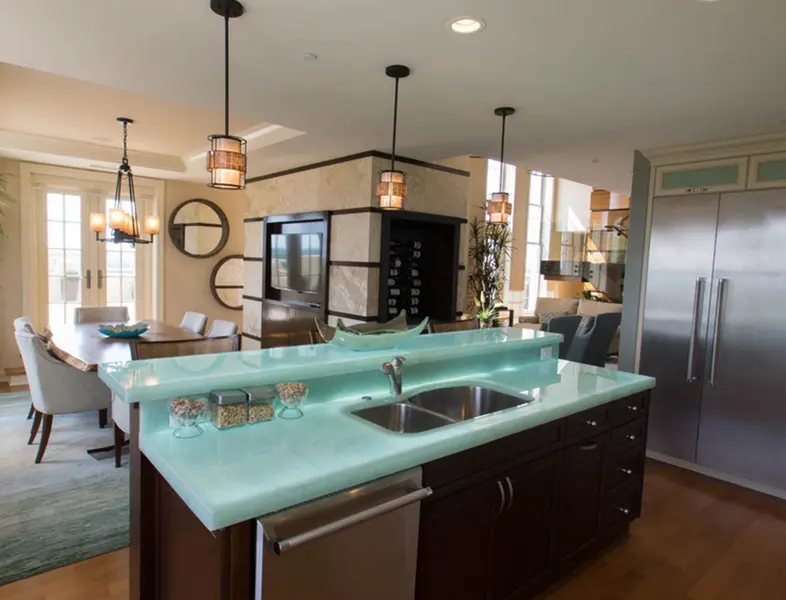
499 207
124 225
226 160
392 186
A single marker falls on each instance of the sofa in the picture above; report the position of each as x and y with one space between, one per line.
550 307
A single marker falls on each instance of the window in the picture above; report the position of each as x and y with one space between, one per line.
64 255
541 200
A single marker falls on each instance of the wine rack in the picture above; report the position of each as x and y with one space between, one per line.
405 278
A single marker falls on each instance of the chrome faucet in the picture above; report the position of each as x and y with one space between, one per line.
395 370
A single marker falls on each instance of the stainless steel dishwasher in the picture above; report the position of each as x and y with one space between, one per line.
356 545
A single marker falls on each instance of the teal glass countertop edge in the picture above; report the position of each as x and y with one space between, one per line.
230 476
150 380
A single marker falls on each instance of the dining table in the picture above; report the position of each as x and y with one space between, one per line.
83 347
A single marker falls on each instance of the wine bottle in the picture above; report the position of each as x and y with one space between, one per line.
414 283
414 272
394 272
414 292
396 262
414 301
391 281
417 245
392 310
414 310
396 291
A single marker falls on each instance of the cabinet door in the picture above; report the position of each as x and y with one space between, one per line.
767 171
696 178
453 544
578 496
521 534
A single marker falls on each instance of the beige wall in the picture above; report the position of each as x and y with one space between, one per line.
187 279
10 270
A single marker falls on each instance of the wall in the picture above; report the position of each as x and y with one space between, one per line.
10 270
187 279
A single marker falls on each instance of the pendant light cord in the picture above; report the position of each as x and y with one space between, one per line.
395 126
502 157
226 68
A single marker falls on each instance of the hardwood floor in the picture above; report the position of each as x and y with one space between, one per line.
699 539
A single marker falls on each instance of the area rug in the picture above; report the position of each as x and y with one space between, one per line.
64 510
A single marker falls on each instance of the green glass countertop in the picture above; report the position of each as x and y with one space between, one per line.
149 380
230 476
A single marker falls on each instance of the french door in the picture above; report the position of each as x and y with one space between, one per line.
82 271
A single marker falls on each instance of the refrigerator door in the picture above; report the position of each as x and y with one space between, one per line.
743 419
674 334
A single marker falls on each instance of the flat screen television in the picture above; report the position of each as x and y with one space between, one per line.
296 262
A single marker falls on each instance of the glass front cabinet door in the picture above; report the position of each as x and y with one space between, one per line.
725 175
767 171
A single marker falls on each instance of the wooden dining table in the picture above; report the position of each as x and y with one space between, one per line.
83 347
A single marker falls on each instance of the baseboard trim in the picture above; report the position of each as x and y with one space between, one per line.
690 466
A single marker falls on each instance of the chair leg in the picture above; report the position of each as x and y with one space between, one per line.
31 412
103 417
120 438
44 437
34 428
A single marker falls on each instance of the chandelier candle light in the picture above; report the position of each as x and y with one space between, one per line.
124 225
392 186
226 160
499 207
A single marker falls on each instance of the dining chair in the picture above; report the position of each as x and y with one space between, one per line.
57 388
593 339
448 326
144 350
566 326
315 337
24 324
219 328
101 314
194 321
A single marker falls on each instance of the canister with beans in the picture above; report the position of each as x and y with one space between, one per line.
228 408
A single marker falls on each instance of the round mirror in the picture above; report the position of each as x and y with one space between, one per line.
226 282
199 228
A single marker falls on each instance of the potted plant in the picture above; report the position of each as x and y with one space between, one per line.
489 251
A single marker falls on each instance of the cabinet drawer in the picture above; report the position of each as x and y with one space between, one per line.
624 465
622 505
631 433
627 409
587 423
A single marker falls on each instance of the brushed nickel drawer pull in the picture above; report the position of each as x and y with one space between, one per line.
633 408
631 436
627 471
591 423
624 511
510 487
502 498
588 447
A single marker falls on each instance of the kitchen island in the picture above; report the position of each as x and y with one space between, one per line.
543 484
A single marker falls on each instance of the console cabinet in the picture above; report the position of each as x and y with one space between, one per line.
510 517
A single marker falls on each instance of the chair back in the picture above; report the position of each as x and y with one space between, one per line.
448 326
194 321
566 326
101 314
23 324
143 350
315 337
219 328
591 343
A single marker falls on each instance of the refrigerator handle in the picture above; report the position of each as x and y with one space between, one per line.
694 326
716 329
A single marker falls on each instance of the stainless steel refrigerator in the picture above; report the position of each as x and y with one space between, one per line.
714 332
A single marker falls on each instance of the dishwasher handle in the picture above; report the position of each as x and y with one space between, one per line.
281 546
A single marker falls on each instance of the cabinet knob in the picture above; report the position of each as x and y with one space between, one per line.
627 471
624 511
632 408
592 423
631 436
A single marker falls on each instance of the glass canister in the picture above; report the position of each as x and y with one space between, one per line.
261 399
291 395
184 415
228 408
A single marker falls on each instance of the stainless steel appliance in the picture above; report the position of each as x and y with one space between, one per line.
714 332
355 545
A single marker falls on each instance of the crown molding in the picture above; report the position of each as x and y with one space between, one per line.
718 149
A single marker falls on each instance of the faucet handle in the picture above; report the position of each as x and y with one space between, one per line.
398 359
387 368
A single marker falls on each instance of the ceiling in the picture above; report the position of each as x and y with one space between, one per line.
591 81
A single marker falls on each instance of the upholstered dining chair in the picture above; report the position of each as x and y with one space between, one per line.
446 327
592 340
100 314
194 321
219 328
143 350
23 324
566 326
56 388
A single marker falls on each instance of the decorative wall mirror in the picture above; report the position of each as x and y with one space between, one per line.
199 228
226 282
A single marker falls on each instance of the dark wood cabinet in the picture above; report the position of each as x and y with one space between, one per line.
509 517
578 497
453 546
520 536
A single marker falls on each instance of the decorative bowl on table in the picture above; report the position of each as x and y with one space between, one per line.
375 340
122 330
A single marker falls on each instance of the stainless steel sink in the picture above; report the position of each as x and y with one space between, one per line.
463 403
402 418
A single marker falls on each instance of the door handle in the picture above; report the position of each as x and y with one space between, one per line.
282 546
502 498
716 328
100 279
89 278
510 488
588 447
694 326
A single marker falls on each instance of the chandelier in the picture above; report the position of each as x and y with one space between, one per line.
499 207
124 225
392 186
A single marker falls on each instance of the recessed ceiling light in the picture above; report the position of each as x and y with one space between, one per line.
466 25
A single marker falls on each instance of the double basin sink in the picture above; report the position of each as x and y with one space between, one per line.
438 408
